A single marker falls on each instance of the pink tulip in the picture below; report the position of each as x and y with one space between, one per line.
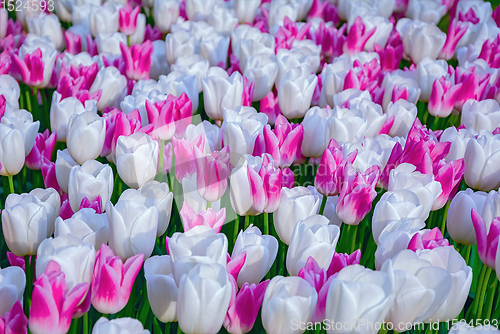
490 52
427 239
287 178
91 46
455 32
496 16
14 321
73 43
248 87
208 217
49 174
357 36
473 86
328 180
284 143
234 266
185 163
52 306
332 40
340 261
124 125
112 280
212 172
487 241
450 176
469 16
318 278
269 106
30 68
357 194
161 119
392 53
289 32
265 186
137 60
127 19
44 146
183 113
443 97
243 310
152 34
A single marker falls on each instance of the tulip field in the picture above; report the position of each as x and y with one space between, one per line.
249 166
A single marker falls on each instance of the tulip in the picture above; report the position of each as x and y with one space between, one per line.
258 177
45 25
329 177
296 88
179 44
430 285
89 180
132 228
87 225
64 163
487 238
137 60
153 194
357 194
158 67
212 173
12 284
201 244
204 285
113 280
136 159
421 39
395 207
358 36
312 237
185 165
351 283
211 136
483 115
221 91
450 260
25 223
177 83
127 19
109 43
162 290
14 321
428 71
316 132
296 204
261 251
243 310
193 64
13 153
288 302
214 47
284 144
404 114
443 96
22 120
54 303
480 156
104 19
165 14
241 127
118 325
113 86
161 119
34 64
87 128
43 148
207 217
262 69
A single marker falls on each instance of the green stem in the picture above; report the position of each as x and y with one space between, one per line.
443 223
489 301
323 203
73 329
236 229
162 149
266 223
475 303
247 221
467 254
354 231
484 286
29 284
11 184
209 205
283 257
86 323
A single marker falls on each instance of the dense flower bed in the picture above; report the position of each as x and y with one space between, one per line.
205 166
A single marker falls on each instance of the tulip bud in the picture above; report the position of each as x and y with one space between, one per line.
113 86
221 91
45 25
480 162
86 128
136 159
261 251
118 325
296 204
165 14
162 290
89 180
296 88
104 19
483 115
312 237
421 39
200 288
13 153
132 228
288 301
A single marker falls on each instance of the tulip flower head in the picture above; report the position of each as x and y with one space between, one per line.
487 238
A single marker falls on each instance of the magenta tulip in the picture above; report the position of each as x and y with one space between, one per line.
112 280
14 321
207 217
487 242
